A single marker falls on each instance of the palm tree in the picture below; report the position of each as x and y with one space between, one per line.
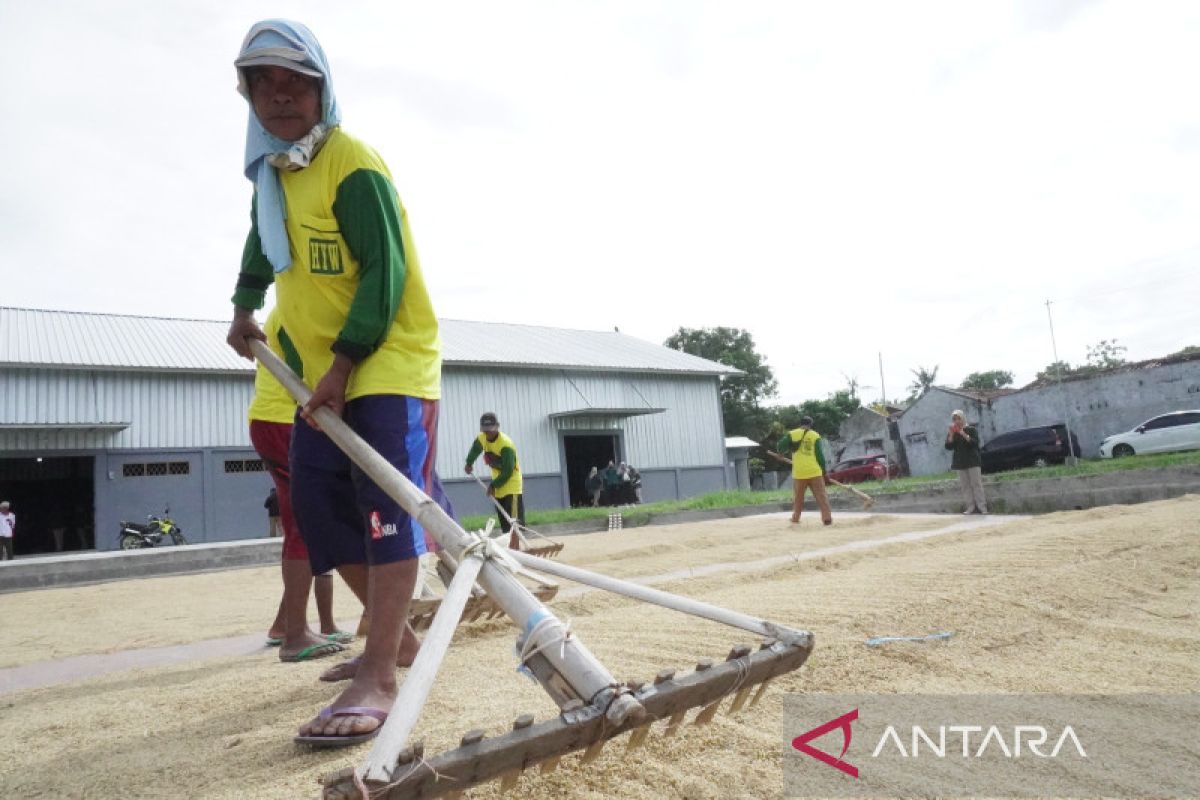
924 380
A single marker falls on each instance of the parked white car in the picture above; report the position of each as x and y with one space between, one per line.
1179 430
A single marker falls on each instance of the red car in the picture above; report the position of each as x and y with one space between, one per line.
864 468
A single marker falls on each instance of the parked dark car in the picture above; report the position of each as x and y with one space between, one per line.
1028 447
864 468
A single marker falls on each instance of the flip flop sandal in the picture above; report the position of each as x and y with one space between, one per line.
345 741
341 637
274 641
314 651
353 661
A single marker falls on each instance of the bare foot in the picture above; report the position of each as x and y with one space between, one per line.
349 668
342 672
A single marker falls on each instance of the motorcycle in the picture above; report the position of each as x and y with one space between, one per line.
135 536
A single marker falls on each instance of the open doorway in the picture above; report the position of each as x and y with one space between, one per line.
584 451
54 500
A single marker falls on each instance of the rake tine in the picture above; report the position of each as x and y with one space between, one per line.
638 738
741 651
473 736
707 713
593 751
675 721
762 688
509 781
739 700
329 784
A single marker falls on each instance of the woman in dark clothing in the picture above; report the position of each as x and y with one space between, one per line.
963 442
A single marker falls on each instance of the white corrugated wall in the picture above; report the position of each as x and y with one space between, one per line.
163 410
180 410
687 434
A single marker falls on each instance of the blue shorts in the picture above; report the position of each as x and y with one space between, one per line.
343 516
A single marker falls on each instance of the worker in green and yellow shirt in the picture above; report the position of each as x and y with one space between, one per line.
808 468
506 487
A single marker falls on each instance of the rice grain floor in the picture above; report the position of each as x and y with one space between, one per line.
1100 601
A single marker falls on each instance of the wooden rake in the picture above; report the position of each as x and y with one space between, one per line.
593 706
545 546
480 606
867 500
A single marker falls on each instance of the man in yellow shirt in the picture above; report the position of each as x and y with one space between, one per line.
357 325
808 468
506 487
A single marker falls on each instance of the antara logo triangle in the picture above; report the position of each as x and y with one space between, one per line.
801 743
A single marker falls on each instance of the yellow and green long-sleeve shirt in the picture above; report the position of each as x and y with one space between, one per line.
501 456
355 285
808 459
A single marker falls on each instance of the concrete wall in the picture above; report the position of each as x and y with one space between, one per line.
1043 495
1094 407
923 428
737 468
213 502
1100 406
857 435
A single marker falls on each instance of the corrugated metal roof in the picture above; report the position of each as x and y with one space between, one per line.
496 343
69 339
32 337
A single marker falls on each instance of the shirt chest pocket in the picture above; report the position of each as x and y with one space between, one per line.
322 247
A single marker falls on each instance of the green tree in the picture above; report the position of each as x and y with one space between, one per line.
987 381
827 415
741 395
924 378
1054 371
1106 355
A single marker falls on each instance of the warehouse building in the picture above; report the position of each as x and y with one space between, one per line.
105 418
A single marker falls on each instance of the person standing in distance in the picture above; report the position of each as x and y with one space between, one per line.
8 527
506 486
962 440
808 468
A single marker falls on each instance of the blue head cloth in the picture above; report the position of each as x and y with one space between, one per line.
281 43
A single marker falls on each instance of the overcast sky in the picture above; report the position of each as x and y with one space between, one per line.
914 179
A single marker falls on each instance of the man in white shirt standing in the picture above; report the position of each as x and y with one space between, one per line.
8 524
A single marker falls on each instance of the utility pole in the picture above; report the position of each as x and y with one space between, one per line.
1058 376
882 387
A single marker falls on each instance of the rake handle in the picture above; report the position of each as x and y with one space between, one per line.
861 495
495 501
512 523
410 700
581 670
